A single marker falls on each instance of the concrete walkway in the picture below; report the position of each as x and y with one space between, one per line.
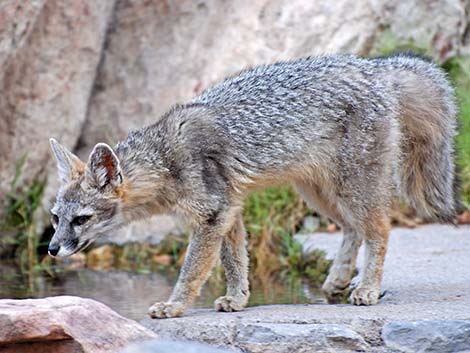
426 306
427 271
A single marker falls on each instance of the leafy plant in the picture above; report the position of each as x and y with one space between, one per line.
18 223
459 71
387 43
272 217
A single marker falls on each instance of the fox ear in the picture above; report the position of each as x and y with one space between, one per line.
103 167
69 165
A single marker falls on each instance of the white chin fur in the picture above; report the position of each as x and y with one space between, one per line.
63 252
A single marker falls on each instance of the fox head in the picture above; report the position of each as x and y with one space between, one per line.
88 203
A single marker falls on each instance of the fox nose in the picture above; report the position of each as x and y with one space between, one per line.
53 250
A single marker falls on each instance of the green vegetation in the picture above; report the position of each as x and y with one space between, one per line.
272 217
387 43
17 227
459 71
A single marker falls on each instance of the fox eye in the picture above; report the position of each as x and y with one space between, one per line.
80 220
54 219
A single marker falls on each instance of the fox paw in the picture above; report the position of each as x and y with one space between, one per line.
229 303
335 293
331 288
168 309
365 296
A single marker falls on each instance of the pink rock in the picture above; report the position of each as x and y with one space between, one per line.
65 325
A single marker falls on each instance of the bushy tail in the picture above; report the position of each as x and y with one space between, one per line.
428 126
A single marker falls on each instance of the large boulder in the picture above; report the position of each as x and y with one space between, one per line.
65 324
16 19
161 53
433 336
49 53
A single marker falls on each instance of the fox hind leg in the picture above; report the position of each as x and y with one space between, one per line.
341 271
234 257
376 230
344 264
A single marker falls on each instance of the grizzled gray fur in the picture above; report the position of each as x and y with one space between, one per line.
349 133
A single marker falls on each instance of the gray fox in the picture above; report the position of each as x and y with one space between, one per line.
349 133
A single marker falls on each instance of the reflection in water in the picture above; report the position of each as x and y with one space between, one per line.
130 294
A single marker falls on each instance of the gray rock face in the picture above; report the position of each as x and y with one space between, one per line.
280 338
16 26
434 336
49 53
437 25
258 337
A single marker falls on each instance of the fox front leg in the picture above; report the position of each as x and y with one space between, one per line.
201 256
